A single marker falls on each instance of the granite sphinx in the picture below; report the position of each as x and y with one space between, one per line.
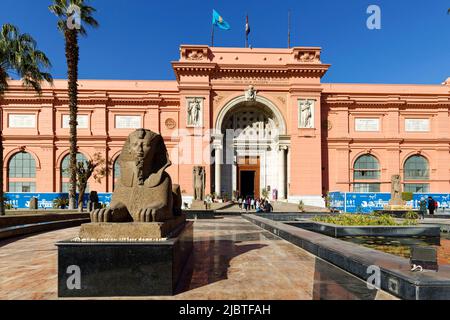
143 192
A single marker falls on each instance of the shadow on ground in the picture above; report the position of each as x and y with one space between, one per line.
211 258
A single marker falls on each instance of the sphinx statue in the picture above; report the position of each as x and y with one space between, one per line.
144 190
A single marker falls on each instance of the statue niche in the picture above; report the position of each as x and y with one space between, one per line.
144 190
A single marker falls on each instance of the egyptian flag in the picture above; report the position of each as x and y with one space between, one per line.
247 27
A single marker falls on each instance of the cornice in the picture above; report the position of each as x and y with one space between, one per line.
402 141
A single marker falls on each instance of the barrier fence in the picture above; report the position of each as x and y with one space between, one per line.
21 200
354 202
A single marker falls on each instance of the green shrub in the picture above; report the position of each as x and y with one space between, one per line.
265 193
411 215
61 202
407 196
362 220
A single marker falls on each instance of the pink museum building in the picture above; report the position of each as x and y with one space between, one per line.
255 119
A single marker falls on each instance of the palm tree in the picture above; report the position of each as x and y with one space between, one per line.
67 11
19 55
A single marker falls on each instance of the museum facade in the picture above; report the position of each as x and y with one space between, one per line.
258 120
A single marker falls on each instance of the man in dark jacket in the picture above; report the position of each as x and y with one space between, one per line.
431 205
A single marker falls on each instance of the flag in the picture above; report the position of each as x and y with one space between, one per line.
247 27
217 20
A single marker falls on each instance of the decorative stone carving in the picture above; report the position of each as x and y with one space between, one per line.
306 108
250 94
199 183
308 55
282 99
33 203
194 112
170 123
93 202
194 53
143 192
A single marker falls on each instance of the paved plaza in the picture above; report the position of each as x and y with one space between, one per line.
233 259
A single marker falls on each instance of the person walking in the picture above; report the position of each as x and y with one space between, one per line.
422 207
252 203
431 205
240 203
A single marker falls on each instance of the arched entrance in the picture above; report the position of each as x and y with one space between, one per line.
252 149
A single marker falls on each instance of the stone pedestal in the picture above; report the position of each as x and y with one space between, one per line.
108 269
133 231
198 205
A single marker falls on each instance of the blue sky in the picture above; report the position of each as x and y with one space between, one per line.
137 39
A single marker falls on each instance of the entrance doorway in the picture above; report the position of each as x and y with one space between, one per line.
247 183
248 176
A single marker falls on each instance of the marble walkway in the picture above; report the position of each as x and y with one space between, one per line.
233 259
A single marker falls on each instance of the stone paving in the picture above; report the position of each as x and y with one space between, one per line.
233 259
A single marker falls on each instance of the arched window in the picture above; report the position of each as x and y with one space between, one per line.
366 168
416 169
65 173
22 173
116 171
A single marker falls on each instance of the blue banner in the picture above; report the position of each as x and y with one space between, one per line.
21 200
354 202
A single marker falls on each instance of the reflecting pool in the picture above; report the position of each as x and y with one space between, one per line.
402 246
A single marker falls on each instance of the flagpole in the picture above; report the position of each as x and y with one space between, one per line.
246 34
212 36
289 28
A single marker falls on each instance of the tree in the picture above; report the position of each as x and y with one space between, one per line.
73 15
97 168
19 55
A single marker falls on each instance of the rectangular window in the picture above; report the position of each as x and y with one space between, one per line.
417 125
366 187
417 187
22 121
366 174
82 119
128 122
22 187
370 124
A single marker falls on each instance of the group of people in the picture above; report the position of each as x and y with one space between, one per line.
259 205
429 204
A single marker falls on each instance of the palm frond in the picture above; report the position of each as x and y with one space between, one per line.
19 54
61 9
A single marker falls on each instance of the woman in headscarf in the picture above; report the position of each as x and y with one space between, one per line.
422 207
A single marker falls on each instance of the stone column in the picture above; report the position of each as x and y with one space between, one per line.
282 173
218 167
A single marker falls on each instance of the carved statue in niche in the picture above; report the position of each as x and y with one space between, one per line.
194 112
199 183
307 107
144 191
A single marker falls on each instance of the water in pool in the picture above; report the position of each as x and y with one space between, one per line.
402 246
